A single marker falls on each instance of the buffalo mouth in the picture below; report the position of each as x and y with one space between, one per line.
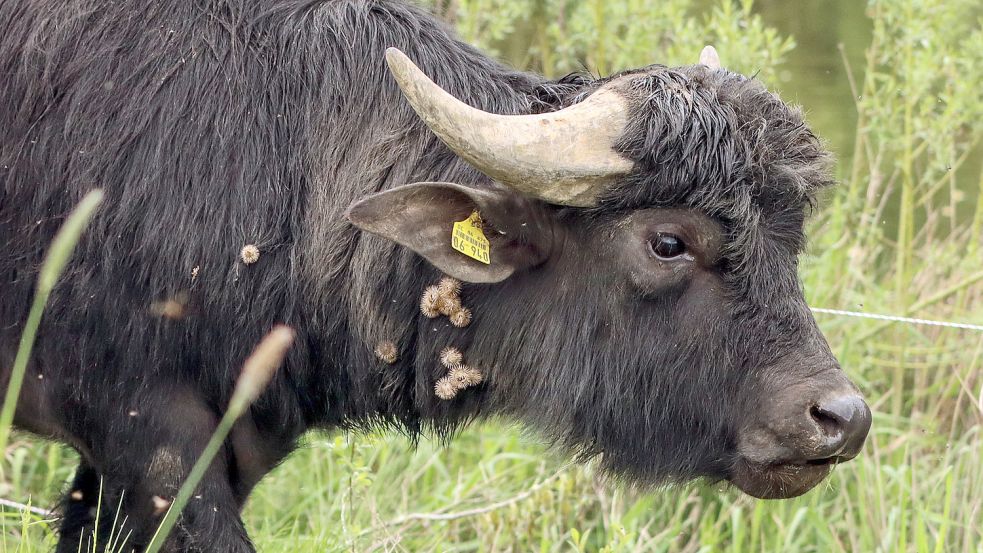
781 480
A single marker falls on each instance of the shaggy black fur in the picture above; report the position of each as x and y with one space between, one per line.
212 124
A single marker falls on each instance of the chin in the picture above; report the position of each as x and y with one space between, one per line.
777 481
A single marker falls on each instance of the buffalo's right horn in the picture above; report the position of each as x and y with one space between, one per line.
709 57
565 157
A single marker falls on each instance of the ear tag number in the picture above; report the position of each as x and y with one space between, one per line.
468 239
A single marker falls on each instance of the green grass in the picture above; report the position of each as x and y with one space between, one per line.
902 235
912 490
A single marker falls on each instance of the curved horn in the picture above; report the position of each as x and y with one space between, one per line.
709 57
565 157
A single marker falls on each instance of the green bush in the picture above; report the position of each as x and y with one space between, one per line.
562 36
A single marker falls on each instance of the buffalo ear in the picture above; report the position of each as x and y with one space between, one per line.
421 217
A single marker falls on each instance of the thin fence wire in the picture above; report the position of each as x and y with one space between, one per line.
897 319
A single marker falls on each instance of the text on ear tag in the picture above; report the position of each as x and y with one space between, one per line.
468 239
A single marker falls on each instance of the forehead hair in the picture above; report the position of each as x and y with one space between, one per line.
721 143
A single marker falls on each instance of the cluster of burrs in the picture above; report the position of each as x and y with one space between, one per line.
459 376
445 299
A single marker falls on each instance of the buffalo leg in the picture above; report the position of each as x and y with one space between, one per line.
141 466
78 510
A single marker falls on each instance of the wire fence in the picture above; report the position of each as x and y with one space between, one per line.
897 319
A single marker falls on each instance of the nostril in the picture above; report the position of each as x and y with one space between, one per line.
845 421
828 431
830 423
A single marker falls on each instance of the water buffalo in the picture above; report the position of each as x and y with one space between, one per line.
622 276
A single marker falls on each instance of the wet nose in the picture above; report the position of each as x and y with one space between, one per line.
843 421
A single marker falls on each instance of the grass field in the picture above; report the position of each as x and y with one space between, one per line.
902 235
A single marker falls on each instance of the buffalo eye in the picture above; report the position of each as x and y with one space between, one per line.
667 246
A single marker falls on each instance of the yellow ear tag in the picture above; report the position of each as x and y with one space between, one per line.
468 239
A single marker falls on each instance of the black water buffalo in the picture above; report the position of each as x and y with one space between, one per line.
627 283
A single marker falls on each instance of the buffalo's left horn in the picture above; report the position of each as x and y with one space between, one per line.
565 157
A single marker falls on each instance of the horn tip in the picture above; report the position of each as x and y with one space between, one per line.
395 55
709 57
401 67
